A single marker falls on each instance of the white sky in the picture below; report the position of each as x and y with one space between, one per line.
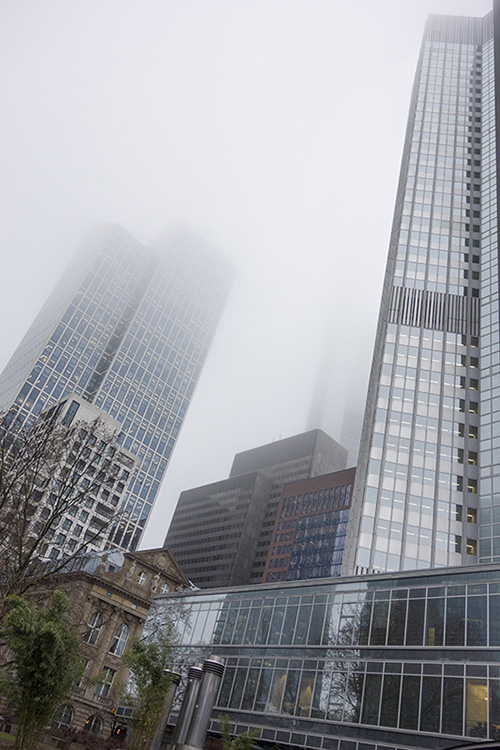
273 127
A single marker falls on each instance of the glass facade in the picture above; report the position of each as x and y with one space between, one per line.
416 494
407 661
128 329
310 529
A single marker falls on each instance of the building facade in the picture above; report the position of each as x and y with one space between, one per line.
82 500
431 418
220 533
110 594
127 329
308 539
407 660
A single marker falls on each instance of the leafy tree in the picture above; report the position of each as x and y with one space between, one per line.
148 684
241 741
47 471
44 664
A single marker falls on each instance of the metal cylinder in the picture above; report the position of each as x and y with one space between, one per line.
194 676
213 669
175 679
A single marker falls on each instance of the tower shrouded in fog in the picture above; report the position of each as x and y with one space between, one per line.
436 363
128 329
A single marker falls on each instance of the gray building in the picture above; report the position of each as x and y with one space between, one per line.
431 415
220 533
127 329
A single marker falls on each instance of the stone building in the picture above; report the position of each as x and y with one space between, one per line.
110 595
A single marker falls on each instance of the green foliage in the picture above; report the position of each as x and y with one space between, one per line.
241 741
44 663
150 684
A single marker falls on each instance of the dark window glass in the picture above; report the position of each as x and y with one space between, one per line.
390 700
276 625
397 620
431 704
289 624
371 699
453 697
455 621
379 624
238 686
250 687
410 701
318 615
263 689
477 621
290 693
227 683
494 620
364 623
415 626
434 624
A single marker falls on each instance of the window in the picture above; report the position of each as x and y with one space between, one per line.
63 717
93 724
141 578
164 588
471 547
119 640
105 681
93 628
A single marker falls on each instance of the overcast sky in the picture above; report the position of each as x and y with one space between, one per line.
274 127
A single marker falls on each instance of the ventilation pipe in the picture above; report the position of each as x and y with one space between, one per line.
213 669
175 679
194 676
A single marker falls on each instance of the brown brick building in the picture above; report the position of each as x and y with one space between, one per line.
308 538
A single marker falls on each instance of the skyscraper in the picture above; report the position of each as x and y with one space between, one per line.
127 328
436 362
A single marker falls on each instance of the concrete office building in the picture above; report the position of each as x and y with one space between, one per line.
431 417
308 539
127 329
220 533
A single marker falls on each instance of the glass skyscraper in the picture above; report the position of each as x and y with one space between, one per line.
427 490
128 329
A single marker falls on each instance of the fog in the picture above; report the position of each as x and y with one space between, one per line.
273 127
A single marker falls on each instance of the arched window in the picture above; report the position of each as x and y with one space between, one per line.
63 717
93 724
93 628
119 640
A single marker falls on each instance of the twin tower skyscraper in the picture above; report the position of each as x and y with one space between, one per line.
127 330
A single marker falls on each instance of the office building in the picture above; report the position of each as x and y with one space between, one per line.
392 661
127 329
431 416
308 539
220 533
90 481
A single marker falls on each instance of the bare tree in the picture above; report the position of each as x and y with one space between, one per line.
50 474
